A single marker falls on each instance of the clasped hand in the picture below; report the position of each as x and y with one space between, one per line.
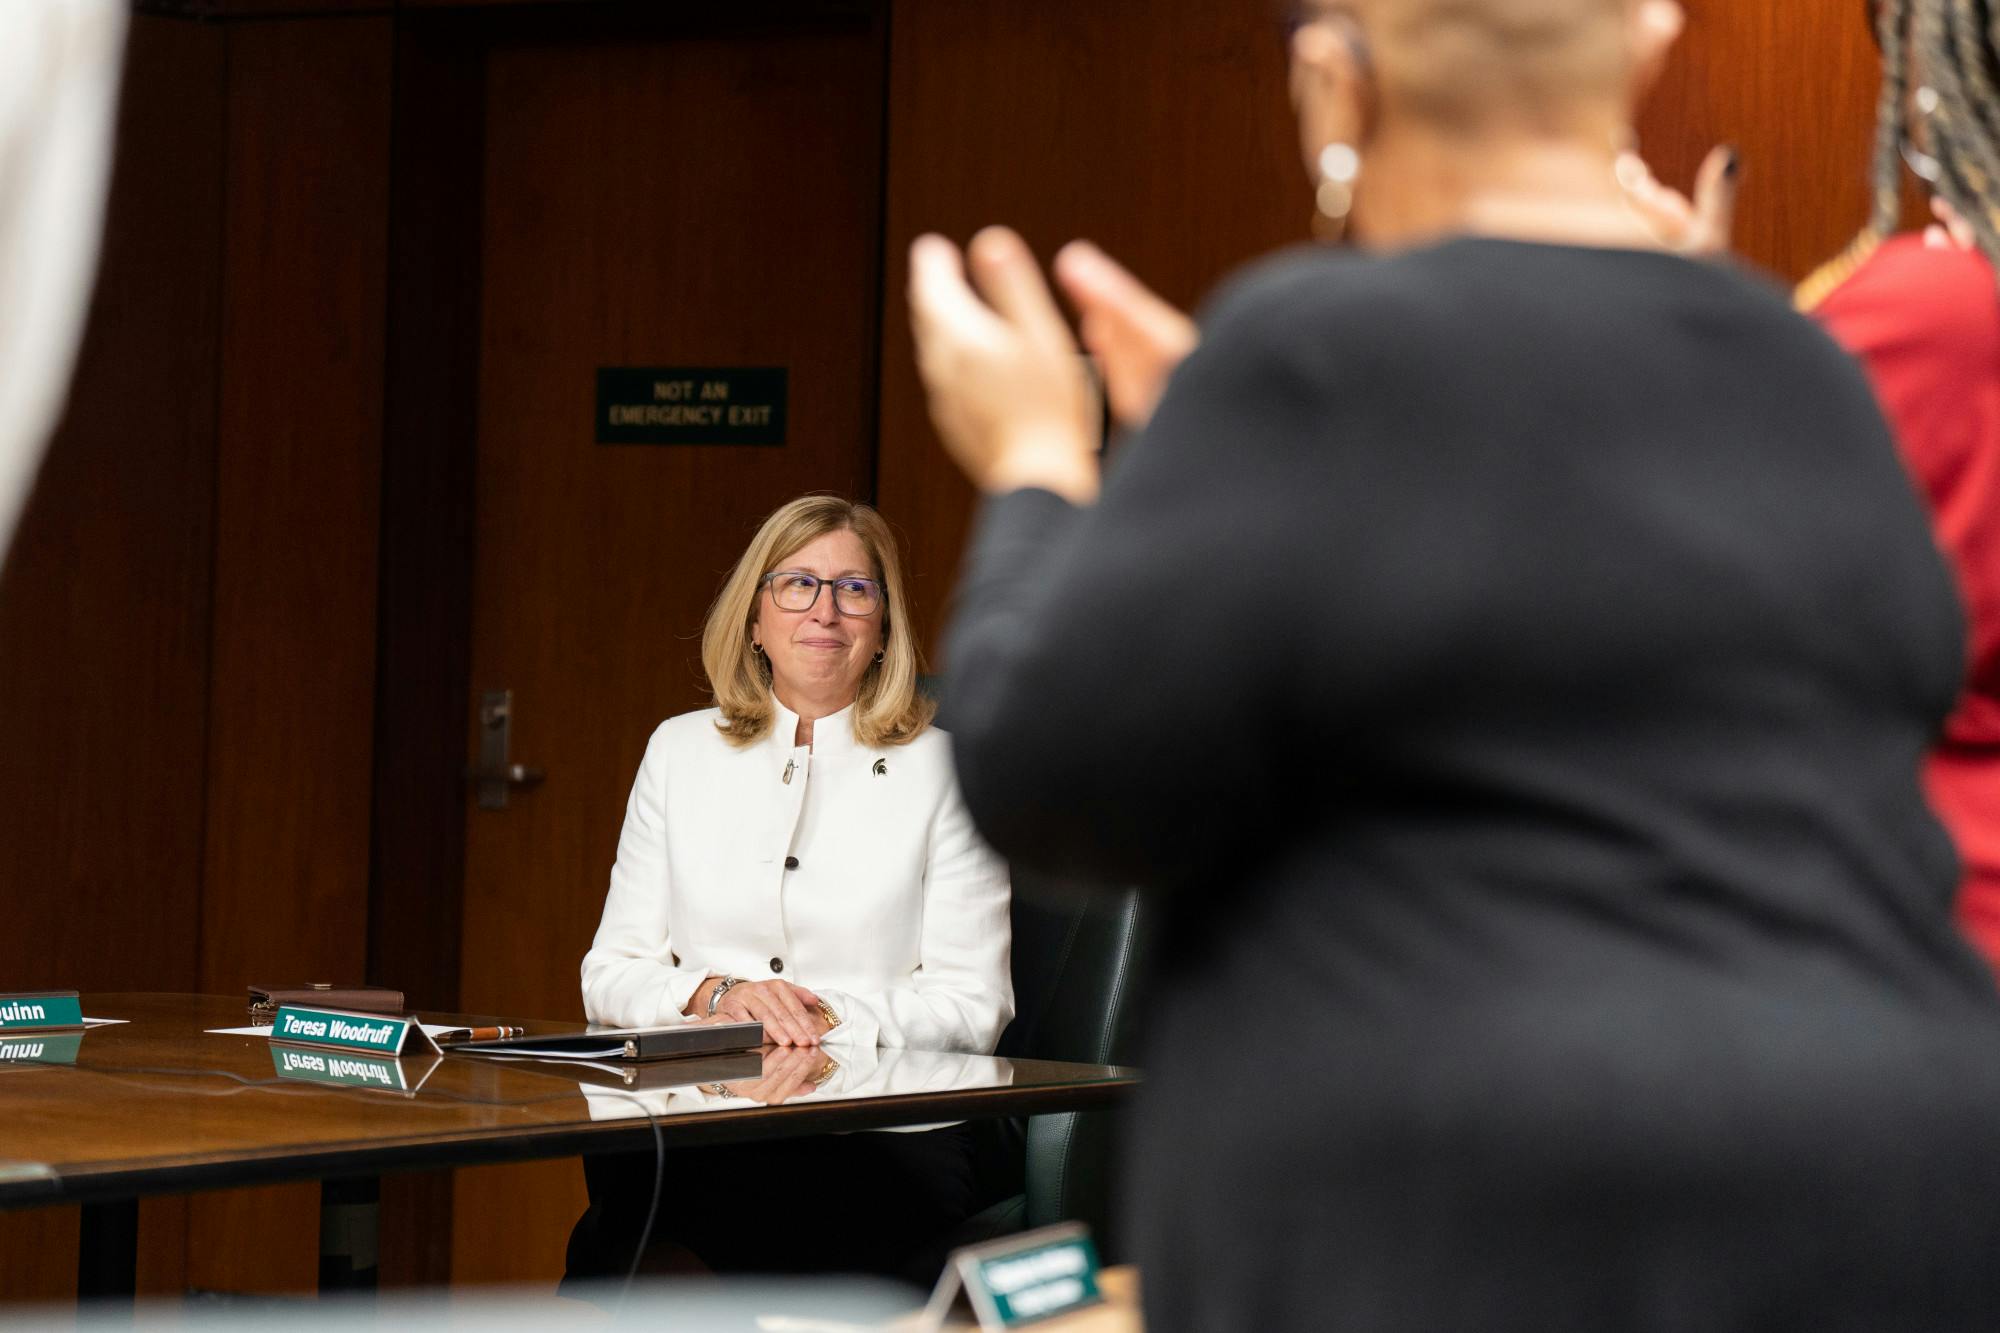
1007 387
789 1013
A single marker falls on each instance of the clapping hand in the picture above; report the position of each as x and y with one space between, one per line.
1700 226
998 360
1136 338
1007 388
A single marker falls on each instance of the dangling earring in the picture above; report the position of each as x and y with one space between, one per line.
1627 167
1339 171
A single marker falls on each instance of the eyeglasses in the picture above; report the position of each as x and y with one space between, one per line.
794 590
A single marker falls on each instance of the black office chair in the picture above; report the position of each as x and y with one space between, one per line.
1078 968
1078 964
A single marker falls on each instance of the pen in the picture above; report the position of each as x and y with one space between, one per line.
482 1034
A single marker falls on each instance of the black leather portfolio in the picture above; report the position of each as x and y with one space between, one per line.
662 1043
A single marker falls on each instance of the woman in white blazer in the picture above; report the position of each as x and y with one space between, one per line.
799 855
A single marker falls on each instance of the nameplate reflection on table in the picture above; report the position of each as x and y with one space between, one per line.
790 1075
46 1048
380 1073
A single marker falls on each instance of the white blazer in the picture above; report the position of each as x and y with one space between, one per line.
860 878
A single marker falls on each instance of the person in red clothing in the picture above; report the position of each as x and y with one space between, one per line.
1925 321
1923 315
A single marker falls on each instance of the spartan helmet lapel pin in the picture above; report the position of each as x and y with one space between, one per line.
881 769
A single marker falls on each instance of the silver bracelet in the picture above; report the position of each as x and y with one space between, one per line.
720 990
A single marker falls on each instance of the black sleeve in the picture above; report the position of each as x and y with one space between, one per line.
1120 675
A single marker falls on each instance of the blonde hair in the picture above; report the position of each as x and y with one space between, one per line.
887 710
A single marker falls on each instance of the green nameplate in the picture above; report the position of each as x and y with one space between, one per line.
47 1011
692 404
340 1030
1022 1279
57 1048
343 1070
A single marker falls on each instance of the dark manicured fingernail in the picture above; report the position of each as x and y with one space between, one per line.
1733 165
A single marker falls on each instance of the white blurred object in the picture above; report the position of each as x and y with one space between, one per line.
682 1305
59 64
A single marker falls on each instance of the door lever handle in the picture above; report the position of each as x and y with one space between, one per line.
496 773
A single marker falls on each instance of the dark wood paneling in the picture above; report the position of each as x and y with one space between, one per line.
1157 128
291 728
163 1236
415 1235
298 493
38 1255
418 862
427 484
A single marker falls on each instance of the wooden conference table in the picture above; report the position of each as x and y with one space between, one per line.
159 1105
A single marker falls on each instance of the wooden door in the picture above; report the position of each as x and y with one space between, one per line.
651 199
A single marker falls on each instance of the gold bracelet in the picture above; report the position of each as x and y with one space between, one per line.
826 1012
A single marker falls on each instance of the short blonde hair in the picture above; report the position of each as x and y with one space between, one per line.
1469 65
888 709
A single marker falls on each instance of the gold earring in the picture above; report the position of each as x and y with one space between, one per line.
1339 171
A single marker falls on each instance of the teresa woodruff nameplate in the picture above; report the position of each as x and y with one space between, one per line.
691 404
341 1030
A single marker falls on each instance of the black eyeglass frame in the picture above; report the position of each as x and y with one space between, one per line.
874 587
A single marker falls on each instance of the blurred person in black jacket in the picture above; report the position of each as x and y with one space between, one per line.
1509 649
